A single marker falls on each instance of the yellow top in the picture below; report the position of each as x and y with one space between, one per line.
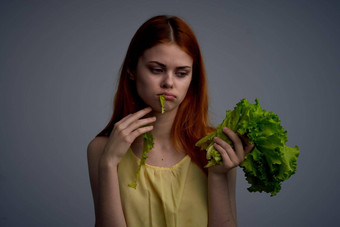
174 196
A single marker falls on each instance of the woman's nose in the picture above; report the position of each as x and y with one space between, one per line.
167 81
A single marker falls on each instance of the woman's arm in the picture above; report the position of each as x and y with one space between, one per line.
105 186
104 155
221 194
222 180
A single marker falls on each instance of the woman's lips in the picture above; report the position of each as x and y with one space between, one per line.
169 96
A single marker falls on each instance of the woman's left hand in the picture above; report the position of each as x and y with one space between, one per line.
231 158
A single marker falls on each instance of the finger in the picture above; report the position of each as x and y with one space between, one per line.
228 149
126 121
248 147
139 123
244 139
225 156
236 141
140 131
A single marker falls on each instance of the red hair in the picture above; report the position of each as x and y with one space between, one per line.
191 122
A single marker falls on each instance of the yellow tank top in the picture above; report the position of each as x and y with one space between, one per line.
173 197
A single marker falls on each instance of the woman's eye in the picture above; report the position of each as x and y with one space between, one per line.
182 74
156 70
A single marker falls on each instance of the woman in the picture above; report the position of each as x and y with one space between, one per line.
173 188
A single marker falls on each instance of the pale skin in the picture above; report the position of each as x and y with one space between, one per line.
162 69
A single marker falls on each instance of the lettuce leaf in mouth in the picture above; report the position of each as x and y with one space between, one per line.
162 100
147 146
271 162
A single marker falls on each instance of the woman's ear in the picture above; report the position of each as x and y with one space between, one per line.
131 75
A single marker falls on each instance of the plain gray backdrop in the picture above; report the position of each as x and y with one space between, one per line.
59 62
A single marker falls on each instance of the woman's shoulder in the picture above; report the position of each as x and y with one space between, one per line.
97 145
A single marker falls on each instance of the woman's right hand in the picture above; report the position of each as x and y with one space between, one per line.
124 133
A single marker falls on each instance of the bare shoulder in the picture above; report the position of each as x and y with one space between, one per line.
96 146
94 151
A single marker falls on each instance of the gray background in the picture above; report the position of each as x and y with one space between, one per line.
59 65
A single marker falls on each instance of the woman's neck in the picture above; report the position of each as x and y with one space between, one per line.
163 125
161 128
163 154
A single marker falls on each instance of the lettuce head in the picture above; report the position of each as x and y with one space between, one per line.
271 161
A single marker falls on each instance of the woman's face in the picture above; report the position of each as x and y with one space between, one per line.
163 69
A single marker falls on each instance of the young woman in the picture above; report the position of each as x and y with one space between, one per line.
173 188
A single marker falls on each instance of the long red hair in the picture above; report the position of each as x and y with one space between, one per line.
191 122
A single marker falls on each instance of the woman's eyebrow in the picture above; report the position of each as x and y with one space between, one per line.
183 67
158 63
164 66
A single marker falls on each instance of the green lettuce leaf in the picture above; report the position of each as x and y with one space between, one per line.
147 146
271 162
162 100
